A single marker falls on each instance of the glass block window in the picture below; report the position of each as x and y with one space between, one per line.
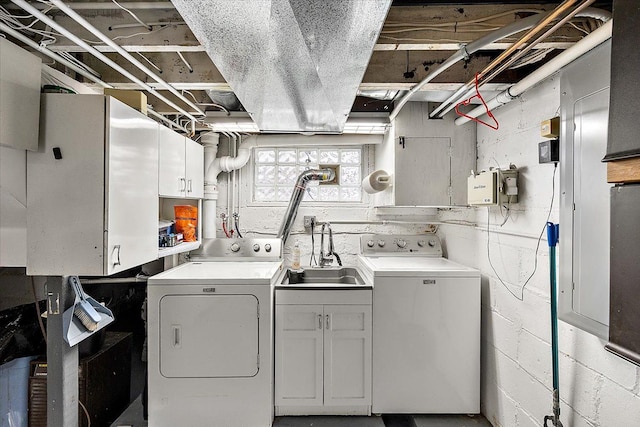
276 171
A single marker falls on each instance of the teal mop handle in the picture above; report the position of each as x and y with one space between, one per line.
553 233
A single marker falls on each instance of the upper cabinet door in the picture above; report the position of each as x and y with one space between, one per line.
131 190
172 179
194 169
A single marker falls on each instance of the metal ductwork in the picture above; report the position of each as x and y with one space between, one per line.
294 64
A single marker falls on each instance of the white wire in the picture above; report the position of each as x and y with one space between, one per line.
133 15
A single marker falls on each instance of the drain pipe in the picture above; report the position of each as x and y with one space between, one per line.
597 37
210 142
213 166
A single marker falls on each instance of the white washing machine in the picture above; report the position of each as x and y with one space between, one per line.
211 337
426 327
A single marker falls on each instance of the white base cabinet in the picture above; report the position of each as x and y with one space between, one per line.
323 358
92 188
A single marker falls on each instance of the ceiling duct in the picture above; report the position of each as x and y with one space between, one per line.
294 64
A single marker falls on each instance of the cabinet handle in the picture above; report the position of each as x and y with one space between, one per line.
328 317
117 248
319 321
189 188
176 336
183 185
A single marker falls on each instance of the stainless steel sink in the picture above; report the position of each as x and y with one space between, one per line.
324 277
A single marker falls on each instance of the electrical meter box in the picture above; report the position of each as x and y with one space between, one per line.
493 187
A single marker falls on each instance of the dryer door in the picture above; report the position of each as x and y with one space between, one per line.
208 336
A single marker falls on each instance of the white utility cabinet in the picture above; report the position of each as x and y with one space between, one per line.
92 188
181 166
323 352
430 159
20 79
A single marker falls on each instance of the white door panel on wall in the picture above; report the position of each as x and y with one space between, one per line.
171 181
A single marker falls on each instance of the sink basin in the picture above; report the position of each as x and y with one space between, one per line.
324 277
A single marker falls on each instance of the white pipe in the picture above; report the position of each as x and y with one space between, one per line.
108 5
166 120
210 142
233 149
597 37
139 65
42 49
77 40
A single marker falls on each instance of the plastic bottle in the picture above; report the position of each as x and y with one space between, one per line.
295 264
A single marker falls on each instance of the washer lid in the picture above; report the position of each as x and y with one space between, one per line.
412 266
232 273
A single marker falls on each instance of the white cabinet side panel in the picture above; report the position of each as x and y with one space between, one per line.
172 163
132 188
20 77
65 197
13 207
194 169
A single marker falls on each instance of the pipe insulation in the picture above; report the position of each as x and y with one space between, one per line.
466 51
597 37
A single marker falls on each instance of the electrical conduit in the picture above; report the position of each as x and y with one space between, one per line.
594 39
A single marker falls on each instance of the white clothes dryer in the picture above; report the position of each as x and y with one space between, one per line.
211 337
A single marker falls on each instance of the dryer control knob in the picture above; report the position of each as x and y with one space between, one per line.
421 243
370 243
256 248
381 243
267 247
401 244
235 247
432 243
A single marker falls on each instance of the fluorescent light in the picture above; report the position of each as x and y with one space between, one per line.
357 123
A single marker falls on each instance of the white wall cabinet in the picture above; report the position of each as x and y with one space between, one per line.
430 159
181 173
323 359
92 188
20 79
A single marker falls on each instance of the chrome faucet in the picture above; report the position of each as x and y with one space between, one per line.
326 257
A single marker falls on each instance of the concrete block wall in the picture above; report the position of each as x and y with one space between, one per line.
596 387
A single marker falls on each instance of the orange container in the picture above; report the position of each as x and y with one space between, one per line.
187 221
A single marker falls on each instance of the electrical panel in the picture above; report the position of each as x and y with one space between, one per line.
493 187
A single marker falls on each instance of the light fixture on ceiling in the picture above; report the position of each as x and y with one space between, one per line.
357 123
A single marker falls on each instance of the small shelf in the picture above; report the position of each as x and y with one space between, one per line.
177 249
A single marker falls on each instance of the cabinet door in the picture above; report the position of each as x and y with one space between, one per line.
209 336
171 180
131 190
423 166
347 355
298 377
194 169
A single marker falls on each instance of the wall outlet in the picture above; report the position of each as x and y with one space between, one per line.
307 221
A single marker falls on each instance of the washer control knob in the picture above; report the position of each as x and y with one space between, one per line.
256 248
401 243
432 243
235 247
370 243
267 247
421 243
381 243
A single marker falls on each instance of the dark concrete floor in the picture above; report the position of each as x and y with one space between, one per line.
132 417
